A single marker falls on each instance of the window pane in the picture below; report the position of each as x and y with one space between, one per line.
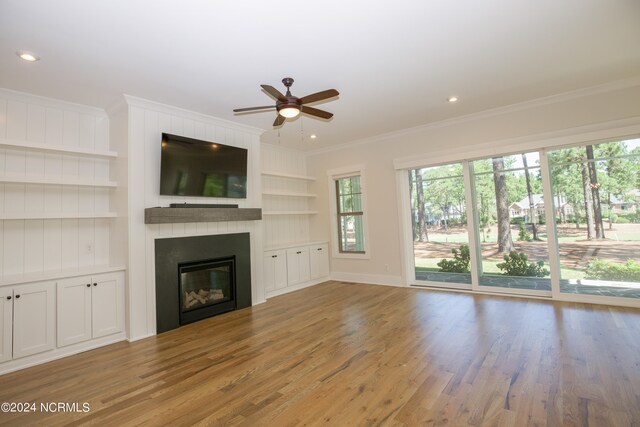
511 222
439 221
596 194
351 233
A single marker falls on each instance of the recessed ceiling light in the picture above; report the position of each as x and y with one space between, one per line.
452 99
28 56
313 136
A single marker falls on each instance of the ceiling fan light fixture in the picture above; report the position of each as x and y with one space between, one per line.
27 56
289 112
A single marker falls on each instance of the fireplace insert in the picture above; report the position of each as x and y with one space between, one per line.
206 288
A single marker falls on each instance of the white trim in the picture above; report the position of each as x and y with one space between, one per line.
134 101
441 285
548 100
332 176
52 102
406 233
370 279
623 128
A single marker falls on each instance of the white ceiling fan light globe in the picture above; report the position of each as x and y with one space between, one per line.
289 112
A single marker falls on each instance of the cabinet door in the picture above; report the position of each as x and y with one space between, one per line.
293 267
319 261
33 318
269 266
303 264
74 310
280 270
6 323
106 306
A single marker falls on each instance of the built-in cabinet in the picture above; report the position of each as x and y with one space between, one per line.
89 307
28 319
296 267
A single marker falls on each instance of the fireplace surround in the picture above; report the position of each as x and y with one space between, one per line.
223 261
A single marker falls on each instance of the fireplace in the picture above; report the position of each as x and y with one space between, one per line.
201 276
207 288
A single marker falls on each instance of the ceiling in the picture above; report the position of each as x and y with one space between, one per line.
394 62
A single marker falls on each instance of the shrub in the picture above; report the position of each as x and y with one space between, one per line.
517 264
614 218
622 220
607 270
524 234
459 263
517 221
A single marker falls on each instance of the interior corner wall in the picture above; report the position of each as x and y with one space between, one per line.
146 122
481 134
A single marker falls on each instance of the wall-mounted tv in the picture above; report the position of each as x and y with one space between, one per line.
191 167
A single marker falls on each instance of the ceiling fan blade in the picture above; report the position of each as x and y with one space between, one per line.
319 96
273 92
315 112
240 110
279 120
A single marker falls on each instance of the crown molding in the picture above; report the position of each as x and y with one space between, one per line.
538 102
51 102
133 101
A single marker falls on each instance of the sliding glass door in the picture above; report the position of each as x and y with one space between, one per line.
439 226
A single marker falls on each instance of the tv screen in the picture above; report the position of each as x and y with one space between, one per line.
191 167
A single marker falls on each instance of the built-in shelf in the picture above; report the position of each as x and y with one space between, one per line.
287 194
14 279
183 215
58 215
290 213
288 175
25 179
59 149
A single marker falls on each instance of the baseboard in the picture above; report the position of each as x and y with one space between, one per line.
371 279
59 353
297 287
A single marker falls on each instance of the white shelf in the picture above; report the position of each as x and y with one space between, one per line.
290 213
55 181
288 175
58 215
60 149
15 279
287 194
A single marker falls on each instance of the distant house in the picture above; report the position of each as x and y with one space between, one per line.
523 209
630 205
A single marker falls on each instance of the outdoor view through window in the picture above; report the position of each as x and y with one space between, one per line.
595 213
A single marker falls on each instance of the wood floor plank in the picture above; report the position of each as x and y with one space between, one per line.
351 354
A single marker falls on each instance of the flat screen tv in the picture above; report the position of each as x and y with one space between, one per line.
191 167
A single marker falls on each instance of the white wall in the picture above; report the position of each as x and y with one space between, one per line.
602 112
145 123
40 245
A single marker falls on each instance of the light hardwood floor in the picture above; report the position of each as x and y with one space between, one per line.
347 354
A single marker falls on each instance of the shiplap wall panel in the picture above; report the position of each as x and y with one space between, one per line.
284 229
40 245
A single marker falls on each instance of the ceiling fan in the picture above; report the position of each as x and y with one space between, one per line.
289 106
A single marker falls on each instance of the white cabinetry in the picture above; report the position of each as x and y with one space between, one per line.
275 270
319 261
295 267
27 320
89 307
298 265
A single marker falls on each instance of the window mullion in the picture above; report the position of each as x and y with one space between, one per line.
472 220
550 219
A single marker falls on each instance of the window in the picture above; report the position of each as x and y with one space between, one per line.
350 215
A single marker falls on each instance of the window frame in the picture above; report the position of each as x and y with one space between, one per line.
333 177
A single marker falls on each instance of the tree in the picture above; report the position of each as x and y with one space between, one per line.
534 216
595 193
588 206
505 242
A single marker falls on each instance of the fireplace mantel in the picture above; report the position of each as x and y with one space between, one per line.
180 215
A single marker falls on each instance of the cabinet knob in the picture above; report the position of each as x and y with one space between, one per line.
319 249
299 252
88 285
17 296
274 256
95 284
9 297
